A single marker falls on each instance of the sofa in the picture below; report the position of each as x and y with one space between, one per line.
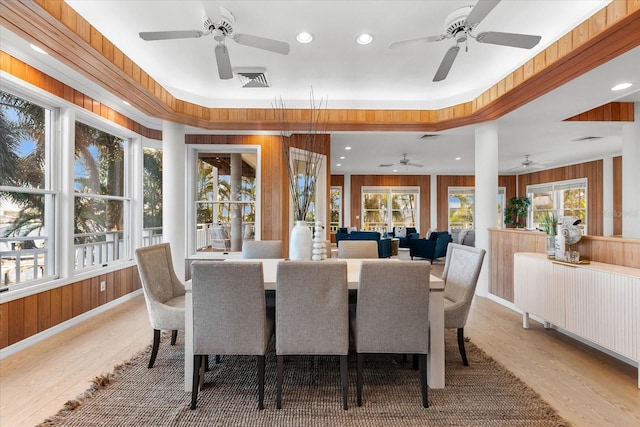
431 248
384 245
404 236
464 236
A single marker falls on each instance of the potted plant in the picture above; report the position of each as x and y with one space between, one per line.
516 213
549 224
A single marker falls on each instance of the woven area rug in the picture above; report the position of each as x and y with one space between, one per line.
482 394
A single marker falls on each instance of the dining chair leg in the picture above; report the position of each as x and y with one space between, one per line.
174 337
359 370
195 384
423 380
415 362
463 353
279 375
261 362
343 378
154 349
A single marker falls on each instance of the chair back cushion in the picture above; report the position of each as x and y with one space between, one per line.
461 271
312 308
357 249
229 314
392 315
158 278
252 249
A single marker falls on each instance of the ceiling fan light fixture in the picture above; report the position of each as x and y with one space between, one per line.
304 37
364 39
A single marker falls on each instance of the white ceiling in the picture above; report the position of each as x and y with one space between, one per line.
373 76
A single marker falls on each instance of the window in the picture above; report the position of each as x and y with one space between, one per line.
225 200
101 225
152 196
27 197
563 198
462 207
386 207
335 208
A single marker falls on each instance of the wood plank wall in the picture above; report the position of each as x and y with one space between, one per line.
610 112
505 242
617 196
422 181
25 317
593 171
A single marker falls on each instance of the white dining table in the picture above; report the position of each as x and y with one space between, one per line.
435 357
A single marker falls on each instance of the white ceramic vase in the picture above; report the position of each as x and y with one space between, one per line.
300 243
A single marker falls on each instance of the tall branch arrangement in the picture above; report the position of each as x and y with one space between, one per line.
303 153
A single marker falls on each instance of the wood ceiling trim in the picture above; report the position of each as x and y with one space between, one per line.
607 34
611 112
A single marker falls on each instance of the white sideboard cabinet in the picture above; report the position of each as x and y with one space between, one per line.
597 302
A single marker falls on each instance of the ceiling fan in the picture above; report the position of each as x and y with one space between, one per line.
527 163
403 162
221 31
460 25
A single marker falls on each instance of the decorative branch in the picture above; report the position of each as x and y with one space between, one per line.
310 152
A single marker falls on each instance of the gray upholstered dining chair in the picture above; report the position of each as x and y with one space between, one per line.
357 249
460 275
163 292
312 315
229 316
255 249
392 315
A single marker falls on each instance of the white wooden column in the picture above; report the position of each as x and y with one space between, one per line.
174 194
346 200
607 196
631 177
486 193
433 205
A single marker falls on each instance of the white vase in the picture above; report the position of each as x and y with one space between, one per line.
300 243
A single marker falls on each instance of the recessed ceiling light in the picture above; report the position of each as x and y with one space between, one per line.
126 102
37 49
621 86
304 37
347 148
338 164
364 38
395 170
458 158
342 157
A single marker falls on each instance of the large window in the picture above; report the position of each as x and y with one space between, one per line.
461 201
152 196
335 208
101 213
563 198
27 196
386 207
226 190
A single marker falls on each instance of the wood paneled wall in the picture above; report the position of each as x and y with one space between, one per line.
24 317
422 181
593 171
617 196
610 112
505 242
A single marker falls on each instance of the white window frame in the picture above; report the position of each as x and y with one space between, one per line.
390 191
556 189
501 199
340 207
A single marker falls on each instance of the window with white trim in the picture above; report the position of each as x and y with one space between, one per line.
561 198
386 207
461 207
335 208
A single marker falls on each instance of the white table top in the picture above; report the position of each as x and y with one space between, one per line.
270 267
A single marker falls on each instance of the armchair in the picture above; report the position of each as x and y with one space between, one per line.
405 239
384 245
432 248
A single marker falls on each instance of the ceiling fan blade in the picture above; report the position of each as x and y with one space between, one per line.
223 61
523 41
419 40
385 165
414 164
169 35
446 63
480 11
262 43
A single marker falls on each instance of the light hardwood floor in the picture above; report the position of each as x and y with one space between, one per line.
587 387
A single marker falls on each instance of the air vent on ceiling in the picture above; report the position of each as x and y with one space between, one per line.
586 138
428 136
255 77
